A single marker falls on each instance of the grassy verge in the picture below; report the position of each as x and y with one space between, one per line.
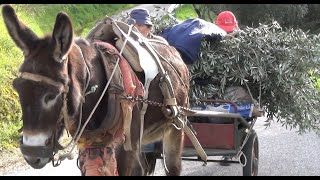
10 113
83 16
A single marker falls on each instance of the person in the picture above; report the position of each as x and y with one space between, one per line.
227 21
187 35
141 19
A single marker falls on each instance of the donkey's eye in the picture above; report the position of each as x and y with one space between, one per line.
49 97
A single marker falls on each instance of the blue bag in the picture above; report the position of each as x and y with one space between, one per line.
186 37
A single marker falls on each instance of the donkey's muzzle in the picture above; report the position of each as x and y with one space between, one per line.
37 151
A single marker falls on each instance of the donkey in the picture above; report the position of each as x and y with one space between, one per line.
57 73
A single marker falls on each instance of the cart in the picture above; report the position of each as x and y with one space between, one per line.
226 135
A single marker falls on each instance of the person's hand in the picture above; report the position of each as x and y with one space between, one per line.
231 35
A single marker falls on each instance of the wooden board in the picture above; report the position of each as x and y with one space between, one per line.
215 136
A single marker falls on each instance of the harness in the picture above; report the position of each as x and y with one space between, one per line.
107 30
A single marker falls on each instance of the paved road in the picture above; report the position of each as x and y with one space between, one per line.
282 153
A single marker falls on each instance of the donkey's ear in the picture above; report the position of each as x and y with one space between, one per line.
20 33
62 37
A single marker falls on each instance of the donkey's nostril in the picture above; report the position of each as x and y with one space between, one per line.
36 162
33 160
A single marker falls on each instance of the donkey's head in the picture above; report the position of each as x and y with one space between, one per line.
42 85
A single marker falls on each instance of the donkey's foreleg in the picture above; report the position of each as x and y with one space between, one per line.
128 163
173 146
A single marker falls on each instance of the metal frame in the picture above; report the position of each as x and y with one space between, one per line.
238 132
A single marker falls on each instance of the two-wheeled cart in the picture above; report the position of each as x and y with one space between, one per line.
224 134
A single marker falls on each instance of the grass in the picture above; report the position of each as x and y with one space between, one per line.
10 113
318 83
40 18
83 16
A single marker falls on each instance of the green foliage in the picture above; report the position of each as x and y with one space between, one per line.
83 16
181 13
185 12
304 16
281 60
10 113
288 15
40 18
311 20
205 12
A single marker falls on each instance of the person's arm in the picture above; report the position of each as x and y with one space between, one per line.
152 36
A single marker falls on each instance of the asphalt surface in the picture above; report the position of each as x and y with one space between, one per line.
282 153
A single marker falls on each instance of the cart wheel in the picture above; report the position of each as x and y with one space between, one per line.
251 152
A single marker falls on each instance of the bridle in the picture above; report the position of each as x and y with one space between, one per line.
51 149
46 151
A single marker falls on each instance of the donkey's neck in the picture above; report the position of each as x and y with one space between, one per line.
86 69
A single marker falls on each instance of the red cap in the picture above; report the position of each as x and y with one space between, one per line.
227 21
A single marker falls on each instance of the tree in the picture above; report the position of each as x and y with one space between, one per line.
204 12
287 15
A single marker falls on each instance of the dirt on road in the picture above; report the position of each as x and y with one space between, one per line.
11 161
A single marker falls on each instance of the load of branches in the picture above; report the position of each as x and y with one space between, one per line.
277 66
